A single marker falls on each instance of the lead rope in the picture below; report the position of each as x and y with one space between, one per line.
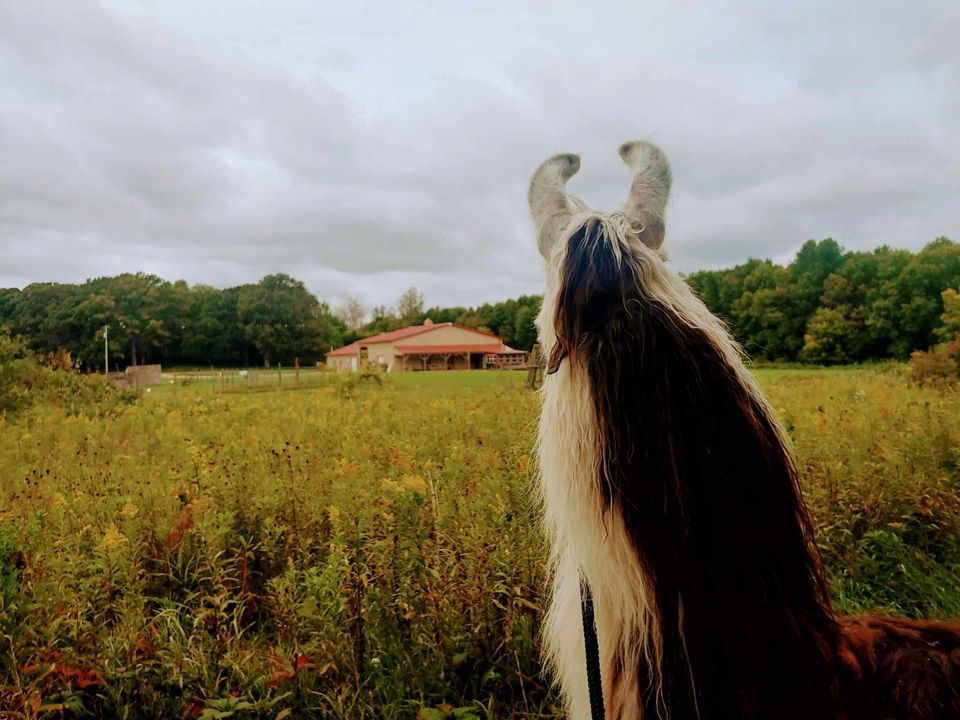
592 648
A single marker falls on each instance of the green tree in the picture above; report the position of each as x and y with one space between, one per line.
210 331
445 315
147 309
472 319
283 320
88 319
830 337
762 316
950 318
524 332
9 297
383 319
904 305
39 315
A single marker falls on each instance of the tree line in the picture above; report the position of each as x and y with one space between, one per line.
277 320
825 306
151 320
830 306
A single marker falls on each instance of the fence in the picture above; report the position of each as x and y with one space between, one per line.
247 379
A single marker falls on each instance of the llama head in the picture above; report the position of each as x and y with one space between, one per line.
562 220
554 208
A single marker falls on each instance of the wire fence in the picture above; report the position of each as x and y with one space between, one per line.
245 379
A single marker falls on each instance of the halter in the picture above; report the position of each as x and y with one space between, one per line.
592 649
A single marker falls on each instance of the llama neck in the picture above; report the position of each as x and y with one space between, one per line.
697 468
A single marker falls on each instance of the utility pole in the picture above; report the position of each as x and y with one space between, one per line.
106 351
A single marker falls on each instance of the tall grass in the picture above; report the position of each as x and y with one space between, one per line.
880 462
369 551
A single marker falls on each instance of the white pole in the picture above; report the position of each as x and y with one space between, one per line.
106 351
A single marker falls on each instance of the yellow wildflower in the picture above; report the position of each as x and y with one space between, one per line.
390 486
414 483
112 538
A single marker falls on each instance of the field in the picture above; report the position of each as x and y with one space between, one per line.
346 549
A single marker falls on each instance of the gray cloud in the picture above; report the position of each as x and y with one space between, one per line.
368 148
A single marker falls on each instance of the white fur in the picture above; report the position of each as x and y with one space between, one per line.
581 541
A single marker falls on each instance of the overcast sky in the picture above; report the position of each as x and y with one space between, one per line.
365 147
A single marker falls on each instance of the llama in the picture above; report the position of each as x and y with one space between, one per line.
667 485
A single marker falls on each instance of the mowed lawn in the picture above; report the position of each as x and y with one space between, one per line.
347 549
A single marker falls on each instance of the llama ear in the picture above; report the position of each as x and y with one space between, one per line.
551 205
648 194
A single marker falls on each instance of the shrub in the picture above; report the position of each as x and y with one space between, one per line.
939 365
26 379
15 369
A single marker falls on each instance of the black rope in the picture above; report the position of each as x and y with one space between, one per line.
592 648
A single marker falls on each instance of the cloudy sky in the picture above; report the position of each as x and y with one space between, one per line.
365 147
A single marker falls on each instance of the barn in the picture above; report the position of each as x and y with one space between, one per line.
431 346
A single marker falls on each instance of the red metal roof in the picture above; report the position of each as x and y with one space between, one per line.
393 335
399 334
409 331
493 348
351 349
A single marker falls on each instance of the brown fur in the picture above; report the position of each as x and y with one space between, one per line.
895 668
